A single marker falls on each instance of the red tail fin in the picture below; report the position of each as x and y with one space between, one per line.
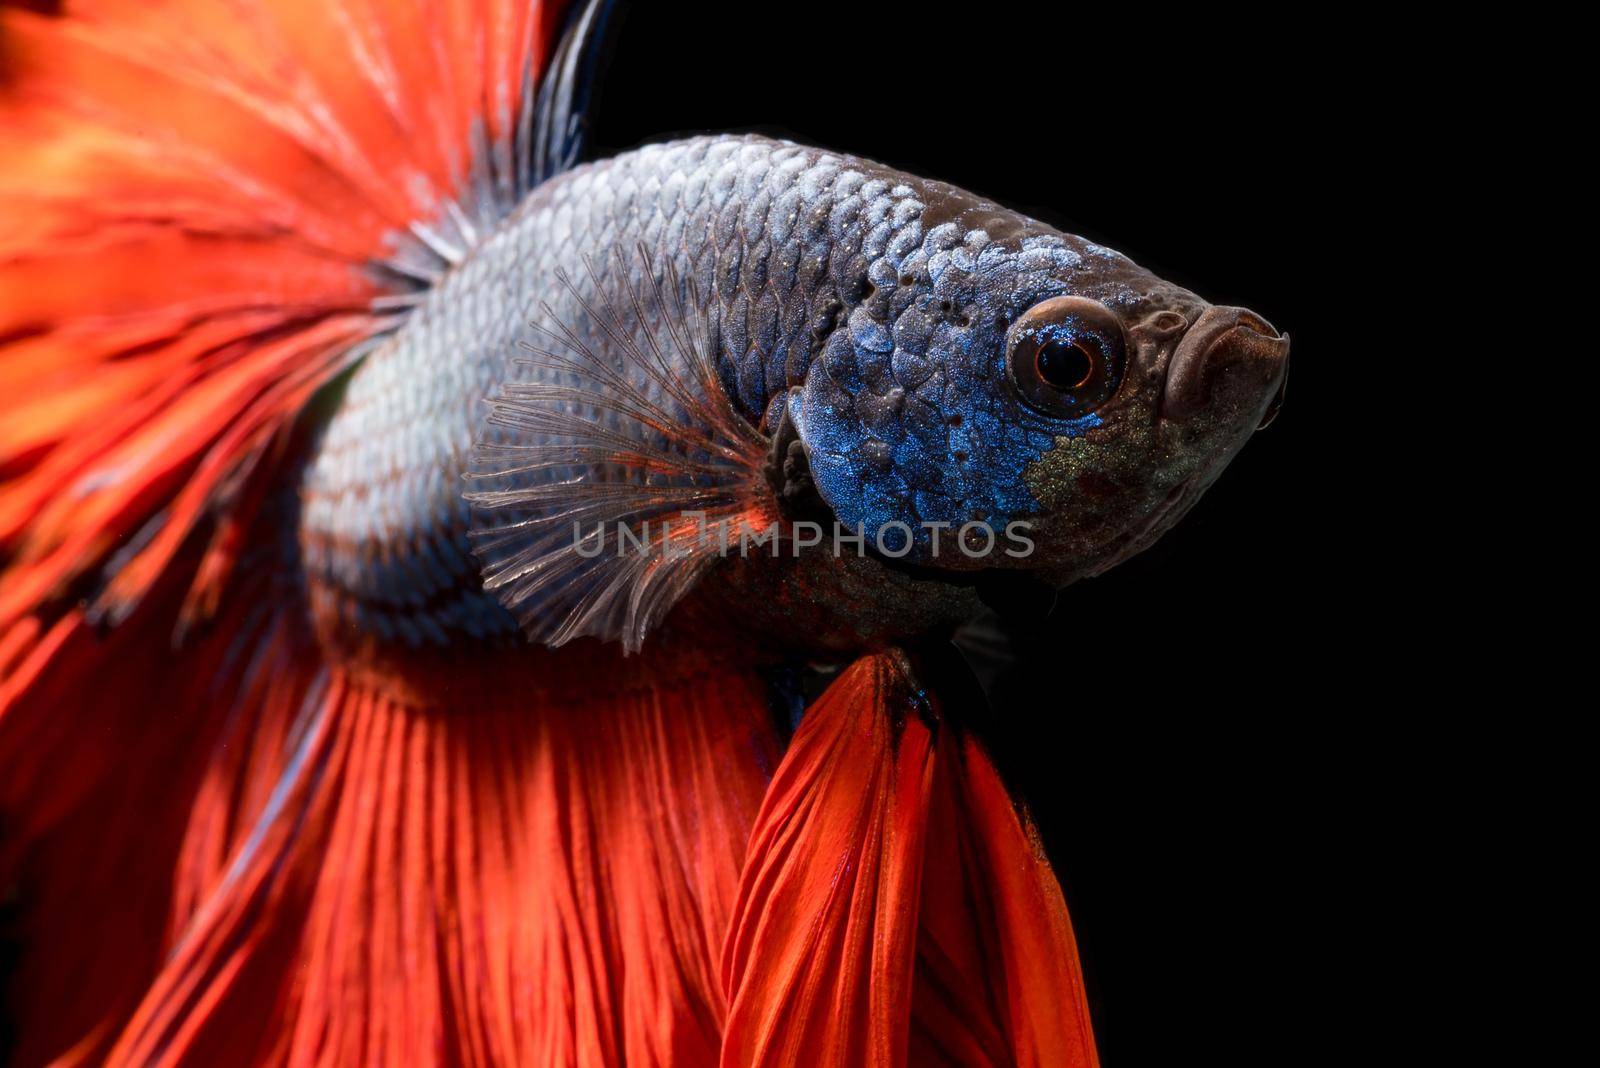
475 881
207 211
203 209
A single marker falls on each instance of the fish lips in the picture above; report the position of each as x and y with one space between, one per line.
1230 361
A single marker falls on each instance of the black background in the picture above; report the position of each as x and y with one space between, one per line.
1166 724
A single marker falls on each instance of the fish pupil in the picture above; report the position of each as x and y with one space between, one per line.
1064 365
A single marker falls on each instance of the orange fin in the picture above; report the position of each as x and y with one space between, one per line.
207 212
489 858
472 881
125 780
818 958
894 909
997 976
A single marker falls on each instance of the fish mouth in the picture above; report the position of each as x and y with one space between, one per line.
1275 405
1229 360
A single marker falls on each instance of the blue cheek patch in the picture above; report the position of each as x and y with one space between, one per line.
908 415
896 458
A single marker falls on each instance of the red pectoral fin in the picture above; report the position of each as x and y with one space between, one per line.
894 908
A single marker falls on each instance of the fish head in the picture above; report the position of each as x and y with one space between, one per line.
1029 400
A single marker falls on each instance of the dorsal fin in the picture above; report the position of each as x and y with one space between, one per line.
559 120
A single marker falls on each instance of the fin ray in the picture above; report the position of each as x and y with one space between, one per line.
895 908
648 446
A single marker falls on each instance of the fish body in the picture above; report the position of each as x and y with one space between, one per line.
868 306
407 537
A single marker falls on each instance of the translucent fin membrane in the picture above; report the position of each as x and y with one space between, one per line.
609 483
896 908
207 212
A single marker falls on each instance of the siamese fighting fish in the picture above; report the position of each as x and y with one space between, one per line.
410 528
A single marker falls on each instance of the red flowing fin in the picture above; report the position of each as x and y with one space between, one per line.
207 213
818 962
894 908
106 743
529 870
997 978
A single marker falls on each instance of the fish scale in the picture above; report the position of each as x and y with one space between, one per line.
795 253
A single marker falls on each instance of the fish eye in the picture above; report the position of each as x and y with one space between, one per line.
1067 363
1066 356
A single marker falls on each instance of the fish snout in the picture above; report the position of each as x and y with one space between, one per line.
1230 360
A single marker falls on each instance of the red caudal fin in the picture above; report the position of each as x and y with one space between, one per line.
472 882
894 908
115 761
458 859
207 210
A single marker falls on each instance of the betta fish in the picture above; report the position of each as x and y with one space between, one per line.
409 532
